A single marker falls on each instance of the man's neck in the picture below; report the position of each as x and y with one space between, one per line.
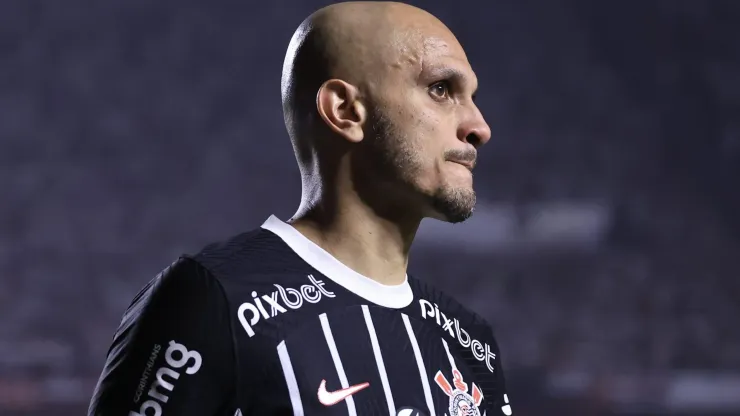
370 245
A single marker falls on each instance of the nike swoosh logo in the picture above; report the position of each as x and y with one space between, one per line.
330 398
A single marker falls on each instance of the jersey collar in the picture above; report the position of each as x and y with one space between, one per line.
397 296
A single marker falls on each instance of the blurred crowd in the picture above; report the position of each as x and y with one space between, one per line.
132 132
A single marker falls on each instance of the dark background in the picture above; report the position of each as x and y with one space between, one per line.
606 250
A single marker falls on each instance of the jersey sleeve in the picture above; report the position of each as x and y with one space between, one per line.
173 353
502 396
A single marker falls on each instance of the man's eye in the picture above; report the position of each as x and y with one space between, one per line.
440 89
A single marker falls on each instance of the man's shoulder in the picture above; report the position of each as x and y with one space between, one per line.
255 252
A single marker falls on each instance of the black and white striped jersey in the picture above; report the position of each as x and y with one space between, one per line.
268 323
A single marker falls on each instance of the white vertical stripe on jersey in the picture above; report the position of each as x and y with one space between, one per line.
337 362
295 394
420 364
449 355
379 360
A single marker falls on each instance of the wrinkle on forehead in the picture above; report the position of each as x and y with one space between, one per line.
420 47
413 47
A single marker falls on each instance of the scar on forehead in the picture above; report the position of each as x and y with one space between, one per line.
412 47
435 43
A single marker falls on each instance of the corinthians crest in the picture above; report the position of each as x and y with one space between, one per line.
463 401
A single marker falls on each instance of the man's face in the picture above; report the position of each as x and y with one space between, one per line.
425 128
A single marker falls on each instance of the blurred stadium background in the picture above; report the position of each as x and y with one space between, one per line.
606 250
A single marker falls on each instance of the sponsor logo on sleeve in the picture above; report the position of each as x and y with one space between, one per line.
280 301
178 359
481 351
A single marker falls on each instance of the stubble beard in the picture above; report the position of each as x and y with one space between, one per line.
454 204
399 160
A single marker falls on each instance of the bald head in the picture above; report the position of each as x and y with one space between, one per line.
356 42
378 101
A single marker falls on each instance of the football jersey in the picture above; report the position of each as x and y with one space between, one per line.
268 323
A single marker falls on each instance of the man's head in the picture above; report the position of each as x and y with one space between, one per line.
378 101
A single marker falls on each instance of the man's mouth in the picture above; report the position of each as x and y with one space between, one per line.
468 164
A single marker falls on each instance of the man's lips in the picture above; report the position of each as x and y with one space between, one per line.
468 164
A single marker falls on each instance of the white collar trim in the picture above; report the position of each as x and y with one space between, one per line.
397 296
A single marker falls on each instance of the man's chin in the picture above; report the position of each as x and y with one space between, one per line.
453 206
456 217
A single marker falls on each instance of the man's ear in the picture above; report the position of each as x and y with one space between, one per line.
339 105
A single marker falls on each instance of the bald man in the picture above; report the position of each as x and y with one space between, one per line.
317 316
